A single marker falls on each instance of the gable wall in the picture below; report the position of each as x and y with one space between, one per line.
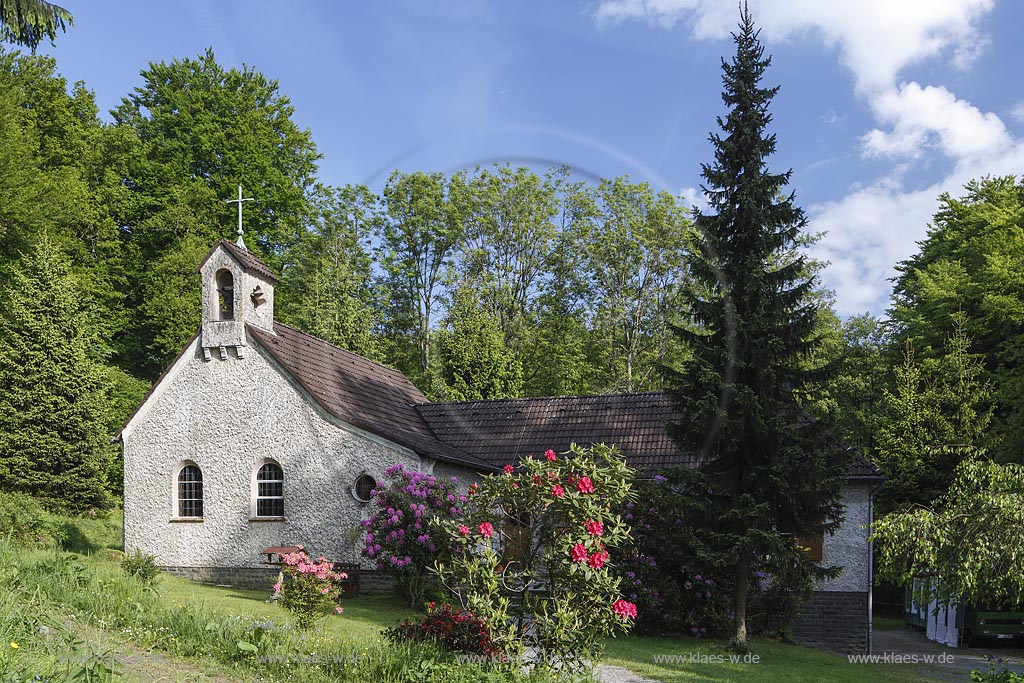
226 416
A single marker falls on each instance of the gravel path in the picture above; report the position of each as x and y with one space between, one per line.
606 673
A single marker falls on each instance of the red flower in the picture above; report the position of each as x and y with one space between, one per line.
486 530
624 609
597 560
537 480
584 485
578 553
464 530
508 469
557 491
550 455
593 527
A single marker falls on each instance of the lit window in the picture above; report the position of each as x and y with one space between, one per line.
190 491
270 491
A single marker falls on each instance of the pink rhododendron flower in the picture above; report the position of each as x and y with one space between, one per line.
537 481
277 588
624 609
324 590
578 553
584 485
486 530
597 560
508 469
338 610
464 530
550 455
557 491
593 527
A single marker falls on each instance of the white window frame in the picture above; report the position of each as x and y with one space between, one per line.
255 497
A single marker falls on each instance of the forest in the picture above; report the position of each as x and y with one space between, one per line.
484 283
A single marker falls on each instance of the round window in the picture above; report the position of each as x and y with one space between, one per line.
363 488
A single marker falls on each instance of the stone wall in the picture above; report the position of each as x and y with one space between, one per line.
371 582
833 620
848 547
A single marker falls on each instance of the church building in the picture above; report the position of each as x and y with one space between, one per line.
258 435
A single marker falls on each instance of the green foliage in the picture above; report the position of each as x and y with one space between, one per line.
475 363
28 22
535 557
935 415
329 292
631 261
418 241
971 543
23 521
973 262
203 130
142 566
753 322
53 411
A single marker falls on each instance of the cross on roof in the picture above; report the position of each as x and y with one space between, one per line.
239 202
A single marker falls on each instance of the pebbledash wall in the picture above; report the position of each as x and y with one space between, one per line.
836 615
228 417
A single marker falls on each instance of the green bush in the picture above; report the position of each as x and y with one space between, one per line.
142 566
26 523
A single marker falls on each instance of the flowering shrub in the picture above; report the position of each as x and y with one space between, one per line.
309 590
450 629
399 537
532 557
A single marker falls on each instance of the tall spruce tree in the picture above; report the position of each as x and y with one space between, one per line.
54 439
765 474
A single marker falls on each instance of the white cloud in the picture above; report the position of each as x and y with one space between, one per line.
877 223
932 117
876 38
1018 111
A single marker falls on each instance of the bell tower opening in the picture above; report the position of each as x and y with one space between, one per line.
225 295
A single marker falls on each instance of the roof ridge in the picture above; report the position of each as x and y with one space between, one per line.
492 401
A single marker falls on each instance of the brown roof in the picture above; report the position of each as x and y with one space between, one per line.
245 258
502 431
358 391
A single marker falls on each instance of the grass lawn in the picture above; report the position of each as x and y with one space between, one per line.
363 620
778 662
365 617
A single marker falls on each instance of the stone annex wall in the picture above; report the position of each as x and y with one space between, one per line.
833 620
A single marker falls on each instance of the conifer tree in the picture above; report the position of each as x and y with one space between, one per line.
765 470
54 440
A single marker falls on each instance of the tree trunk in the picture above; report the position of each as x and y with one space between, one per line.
742 576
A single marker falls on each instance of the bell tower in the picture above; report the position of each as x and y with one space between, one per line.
238 290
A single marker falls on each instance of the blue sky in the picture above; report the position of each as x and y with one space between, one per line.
884 104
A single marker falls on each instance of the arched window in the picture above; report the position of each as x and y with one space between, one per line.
190 491
225 295
270 490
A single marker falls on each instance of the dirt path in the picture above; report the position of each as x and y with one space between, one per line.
144 665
